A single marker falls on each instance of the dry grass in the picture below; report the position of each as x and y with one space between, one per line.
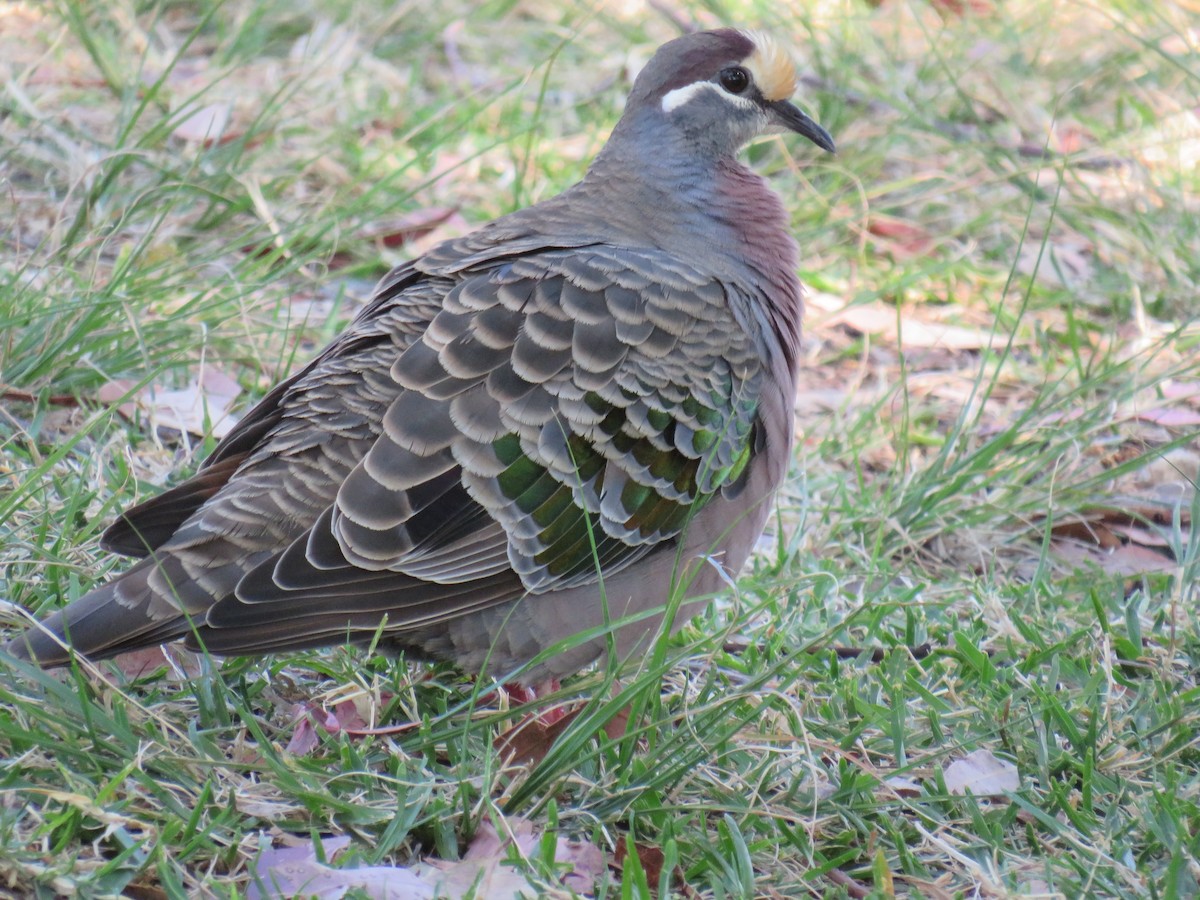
993 495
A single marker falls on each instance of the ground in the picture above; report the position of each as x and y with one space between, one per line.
964 660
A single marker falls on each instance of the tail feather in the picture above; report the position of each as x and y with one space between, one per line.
111 619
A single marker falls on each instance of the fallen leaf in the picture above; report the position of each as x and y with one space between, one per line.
1139 535
530 739
343 717
963 7
903 787
304 739
1087 532
881 321
453 227
1068 261
201 407
981 773
482 872
206 125
1125 560
180 663
651 859
903 240
1174 389
1173 417
140 891
406 227
267 810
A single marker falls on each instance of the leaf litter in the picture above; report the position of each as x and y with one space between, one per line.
487 870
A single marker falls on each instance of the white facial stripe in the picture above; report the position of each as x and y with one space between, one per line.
672 100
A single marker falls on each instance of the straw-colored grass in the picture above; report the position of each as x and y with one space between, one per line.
986 542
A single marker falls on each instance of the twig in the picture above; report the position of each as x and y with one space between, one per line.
20 396
853 888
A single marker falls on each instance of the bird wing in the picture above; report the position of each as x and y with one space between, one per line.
563 415
143 528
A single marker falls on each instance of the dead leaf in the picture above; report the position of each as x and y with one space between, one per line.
482 872
1181 43
1173 417
881 321
455 226
267 810
180 663
530 739
1066 261
981 773
1174 389
903 787
206 125
963 7
651 859
1139 535
200 407
902 240
140 891
343 717
1125 560
407 227
1087 532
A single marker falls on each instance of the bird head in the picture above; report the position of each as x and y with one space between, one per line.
717 90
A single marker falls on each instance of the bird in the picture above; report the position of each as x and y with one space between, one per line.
529 436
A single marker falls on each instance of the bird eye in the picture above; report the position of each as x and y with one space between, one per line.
735 79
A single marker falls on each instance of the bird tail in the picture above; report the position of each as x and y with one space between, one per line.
113 618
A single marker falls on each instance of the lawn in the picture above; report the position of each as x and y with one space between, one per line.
965 660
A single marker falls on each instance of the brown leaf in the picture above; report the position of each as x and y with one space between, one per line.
1173 417
261 808
406 227
207 399
180 663
531 738
962 7
903 787
652 859
1089 532
981 773
206 125
343 717
903 240
1139 535
482 872
1126 560
304 739
882 322
1174 389
140 891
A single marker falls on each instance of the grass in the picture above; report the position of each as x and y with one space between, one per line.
986 543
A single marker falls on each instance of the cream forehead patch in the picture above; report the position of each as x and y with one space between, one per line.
771 65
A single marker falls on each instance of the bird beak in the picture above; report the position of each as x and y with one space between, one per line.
790 117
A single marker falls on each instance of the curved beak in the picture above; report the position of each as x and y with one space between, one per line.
790 117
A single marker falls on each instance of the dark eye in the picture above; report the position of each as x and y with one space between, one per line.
735 79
